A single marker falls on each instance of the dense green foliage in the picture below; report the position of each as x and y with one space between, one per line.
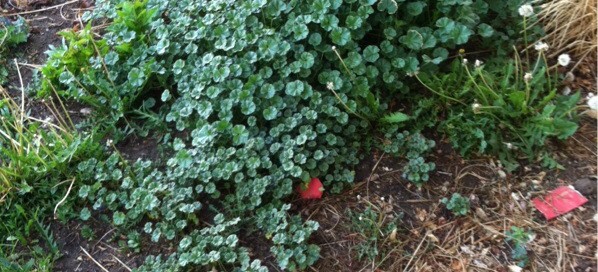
519 238
457 204
375 228
12 33
249 99
524 106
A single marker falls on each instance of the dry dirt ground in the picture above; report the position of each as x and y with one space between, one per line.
428 237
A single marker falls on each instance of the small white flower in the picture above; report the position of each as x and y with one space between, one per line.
514 268
593 102
526 10
477 63
330 86
85 111
527 77
465 61
590 95
566 90
476 107
360 218
509 145
109 142
382 198
334 48
358 197
564 59
541 46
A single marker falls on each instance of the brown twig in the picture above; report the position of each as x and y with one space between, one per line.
43 9
64 198
93 260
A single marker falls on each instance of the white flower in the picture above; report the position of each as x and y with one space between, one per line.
541 46
514 268
465 61
593 102
334 48
109 142
564 60
527 77
360 218
509 145
526 10
330 86
85 111
382 198
476 107
590 95
477 63
358 197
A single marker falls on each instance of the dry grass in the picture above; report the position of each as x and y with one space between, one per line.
571 26
430 239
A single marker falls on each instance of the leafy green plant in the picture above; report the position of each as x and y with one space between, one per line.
458 204
504 110
31 149
376 228
252 98
519 238
17 228
11 34
413 147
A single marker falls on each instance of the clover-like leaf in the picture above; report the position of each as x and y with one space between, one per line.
270 113
118 218
415 8
136 77
294 88
85 214
413 40
389 6
485 30
370 53
340 36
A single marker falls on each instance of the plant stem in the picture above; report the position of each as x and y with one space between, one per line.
438 93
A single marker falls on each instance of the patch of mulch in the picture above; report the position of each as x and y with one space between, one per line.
430 238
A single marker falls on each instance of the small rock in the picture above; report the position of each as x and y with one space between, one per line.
586 186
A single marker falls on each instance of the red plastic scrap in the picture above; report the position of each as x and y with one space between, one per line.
560 201
313 190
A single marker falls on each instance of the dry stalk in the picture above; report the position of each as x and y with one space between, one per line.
570 26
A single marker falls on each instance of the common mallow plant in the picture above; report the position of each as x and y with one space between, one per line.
257 97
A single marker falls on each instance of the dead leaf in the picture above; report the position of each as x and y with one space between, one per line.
421 214
393 235
432 238
481 214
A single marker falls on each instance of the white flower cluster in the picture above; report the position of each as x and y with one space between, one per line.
527 77
526 10
541 46
564 60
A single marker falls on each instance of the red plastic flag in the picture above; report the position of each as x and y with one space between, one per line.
560 201
313 191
